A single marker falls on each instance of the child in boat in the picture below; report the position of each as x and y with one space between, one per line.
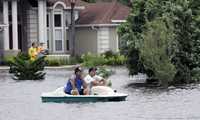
76 84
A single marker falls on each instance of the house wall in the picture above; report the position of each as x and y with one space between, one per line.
32 25
113 39
86 40
103 39
96 40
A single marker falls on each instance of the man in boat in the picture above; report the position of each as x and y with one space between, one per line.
76 84
94 80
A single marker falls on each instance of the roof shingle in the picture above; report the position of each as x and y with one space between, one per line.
67 3
103 13
98 13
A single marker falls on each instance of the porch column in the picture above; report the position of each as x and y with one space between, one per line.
42 32
45 24
14 25
6 22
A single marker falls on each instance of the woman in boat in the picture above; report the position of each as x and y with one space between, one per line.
76 84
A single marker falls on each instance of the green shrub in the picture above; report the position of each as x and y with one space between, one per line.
90 60
75 60
104 72
107 58
25 69
109 54
8 59
59 62
53 63
154 53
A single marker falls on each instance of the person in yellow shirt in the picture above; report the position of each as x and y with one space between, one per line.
33 51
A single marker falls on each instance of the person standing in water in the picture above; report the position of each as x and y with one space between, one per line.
32 52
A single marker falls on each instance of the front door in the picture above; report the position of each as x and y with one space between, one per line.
58 31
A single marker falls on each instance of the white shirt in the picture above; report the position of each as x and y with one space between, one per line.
88 79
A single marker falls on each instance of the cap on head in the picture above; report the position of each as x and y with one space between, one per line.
78 69
92 69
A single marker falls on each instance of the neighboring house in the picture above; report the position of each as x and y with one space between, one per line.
48 21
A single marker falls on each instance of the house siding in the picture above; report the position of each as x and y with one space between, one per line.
32 25
113 39
86 40
103 39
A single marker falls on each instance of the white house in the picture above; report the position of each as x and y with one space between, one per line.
25 21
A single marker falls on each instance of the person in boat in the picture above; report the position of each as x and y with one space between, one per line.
33 51
76 84
94 80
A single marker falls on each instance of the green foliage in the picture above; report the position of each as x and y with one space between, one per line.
130 36
154 52
25 69
179 33
107 58
52 62
91 60
7 60
104 72
114 58
59 62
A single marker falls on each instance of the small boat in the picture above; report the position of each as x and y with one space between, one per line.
98 94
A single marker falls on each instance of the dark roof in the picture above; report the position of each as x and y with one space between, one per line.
98 13
67 3
103 13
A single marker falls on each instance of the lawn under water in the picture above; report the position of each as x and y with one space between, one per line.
20 100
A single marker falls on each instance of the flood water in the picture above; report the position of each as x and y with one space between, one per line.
20 100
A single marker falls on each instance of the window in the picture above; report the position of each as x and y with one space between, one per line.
58 45
58 40
47 20
67 45
48 38
57 20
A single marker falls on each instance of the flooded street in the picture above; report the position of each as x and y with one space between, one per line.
20 100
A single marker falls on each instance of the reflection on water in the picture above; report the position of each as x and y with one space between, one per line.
21 101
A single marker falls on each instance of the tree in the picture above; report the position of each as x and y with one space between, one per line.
154 52
130 34
182 26
186 50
